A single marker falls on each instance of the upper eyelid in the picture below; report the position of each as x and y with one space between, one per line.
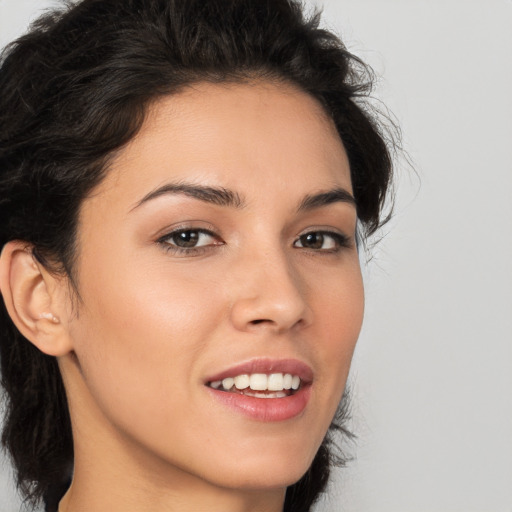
322 229
168 246
169 234
326 230
214 233
342 240
185 226
333 234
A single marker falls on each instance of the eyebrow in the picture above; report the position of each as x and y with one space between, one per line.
219 196
336 195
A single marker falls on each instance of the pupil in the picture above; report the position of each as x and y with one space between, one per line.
313 240
186 238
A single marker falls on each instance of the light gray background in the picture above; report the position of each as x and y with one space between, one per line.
432 375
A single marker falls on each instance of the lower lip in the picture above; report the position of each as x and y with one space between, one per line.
265 409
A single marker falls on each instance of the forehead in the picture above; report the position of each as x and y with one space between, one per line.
241 136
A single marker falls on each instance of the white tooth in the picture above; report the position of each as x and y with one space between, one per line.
287 381
216 384
258 382
228 383
275 382
242 381
295 382
256 394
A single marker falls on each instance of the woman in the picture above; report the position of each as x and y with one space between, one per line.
183 188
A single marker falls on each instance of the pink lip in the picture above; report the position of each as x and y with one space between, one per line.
266 409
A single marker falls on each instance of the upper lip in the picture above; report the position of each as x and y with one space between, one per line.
267 366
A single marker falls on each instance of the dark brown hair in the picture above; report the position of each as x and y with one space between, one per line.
74 90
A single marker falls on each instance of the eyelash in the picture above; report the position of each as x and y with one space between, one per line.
340 241
188 251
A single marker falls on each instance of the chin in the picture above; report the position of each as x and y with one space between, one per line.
270 470
272 480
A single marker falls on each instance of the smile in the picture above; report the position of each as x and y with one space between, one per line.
260 385
263 389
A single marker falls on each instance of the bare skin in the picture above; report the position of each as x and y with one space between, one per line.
155 320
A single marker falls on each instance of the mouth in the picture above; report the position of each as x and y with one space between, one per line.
259 385
263 389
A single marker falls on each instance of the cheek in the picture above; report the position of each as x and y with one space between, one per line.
339 303
147 303
136 339
339 317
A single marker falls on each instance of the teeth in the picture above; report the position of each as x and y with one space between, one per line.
276 394
228 383
258 382
276 382
242 381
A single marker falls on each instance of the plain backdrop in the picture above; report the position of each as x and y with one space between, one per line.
432 375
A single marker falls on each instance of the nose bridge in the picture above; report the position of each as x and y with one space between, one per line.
271 291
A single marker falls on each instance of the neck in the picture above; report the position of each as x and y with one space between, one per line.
84 498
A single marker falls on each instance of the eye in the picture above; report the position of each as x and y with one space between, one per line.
322 241
189 241
190 238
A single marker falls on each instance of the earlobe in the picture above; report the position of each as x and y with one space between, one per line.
49 316
33 298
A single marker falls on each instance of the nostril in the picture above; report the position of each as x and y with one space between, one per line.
256 322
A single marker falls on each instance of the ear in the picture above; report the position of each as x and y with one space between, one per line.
35 299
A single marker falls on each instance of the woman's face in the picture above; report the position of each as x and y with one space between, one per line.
220 247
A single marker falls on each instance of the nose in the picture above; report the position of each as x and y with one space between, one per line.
270 295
